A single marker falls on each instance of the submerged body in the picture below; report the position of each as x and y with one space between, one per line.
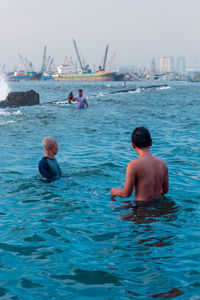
49 169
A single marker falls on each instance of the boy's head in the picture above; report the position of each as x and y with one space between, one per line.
141 138
80 92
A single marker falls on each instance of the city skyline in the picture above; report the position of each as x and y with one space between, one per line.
136 30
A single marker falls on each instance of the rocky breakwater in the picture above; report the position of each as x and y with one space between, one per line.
15 99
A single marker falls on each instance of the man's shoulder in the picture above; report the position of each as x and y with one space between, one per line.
160 161
43 160
134 161
46 160
133 164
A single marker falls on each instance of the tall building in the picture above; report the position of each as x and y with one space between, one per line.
181 64
166 64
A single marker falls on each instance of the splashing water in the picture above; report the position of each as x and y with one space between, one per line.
4 88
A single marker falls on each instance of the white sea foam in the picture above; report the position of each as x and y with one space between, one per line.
18 112
98 95
4 88
60 102
164 88
7 122
7 113
137 91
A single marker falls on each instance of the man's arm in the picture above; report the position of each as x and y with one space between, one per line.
86 103
129 184
165 185
44 169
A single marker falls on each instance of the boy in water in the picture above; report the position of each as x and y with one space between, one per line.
70 99
147 175
81 101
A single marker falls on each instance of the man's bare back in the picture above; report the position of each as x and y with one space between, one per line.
147 175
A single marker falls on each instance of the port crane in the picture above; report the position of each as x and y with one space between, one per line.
44 59
23 63
111 61
47 63
29 65
84 67
105 58
65 60
50 65
68 61
26 64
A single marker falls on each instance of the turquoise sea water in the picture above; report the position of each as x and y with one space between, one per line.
67 239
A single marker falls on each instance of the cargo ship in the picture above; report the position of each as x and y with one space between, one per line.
22 76
98 76
67 72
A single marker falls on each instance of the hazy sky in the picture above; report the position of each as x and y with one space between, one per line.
136 29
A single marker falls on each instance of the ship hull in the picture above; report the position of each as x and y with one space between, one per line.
25 76
22 78
86 77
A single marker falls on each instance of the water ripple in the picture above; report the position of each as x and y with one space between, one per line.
67 239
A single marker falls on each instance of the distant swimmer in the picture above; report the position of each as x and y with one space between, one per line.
147 175
81 100
124 84
70 99
48 165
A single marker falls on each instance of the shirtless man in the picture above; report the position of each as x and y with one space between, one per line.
147 175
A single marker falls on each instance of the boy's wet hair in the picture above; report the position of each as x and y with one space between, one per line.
141 137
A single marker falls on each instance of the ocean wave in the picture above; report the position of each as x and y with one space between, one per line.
7 113
164 88
7 122
100 94
137 91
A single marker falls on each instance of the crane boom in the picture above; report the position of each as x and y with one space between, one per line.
77 53
50 65
111 61
65 60
44 60
105 58
23 63
47 63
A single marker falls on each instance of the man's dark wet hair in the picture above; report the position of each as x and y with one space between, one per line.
80 90
141 137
